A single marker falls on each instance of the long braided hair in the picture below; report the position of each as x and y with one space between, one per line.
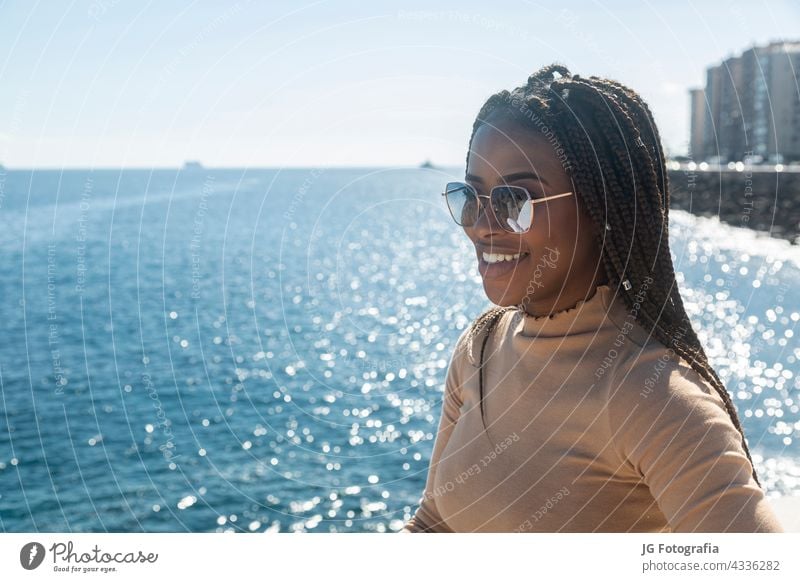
619 172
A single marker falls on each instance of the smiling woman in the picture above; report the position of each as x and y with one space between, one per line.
595 407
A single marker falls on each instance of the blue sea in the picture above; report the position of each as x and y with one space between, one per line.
265 350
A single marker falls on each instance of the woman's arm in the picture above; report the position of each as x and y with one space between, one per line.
673 428
427 518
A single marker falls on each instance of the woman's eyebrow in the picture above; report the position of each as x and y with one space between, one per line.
510 177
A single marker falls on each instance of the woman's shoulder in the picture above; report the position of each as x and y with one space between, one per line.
492 322
654 379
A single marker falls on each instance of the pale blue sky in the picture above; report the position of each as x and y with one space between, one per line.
142 84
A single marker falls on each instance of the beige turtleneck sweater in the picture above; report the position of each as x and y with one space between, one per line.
592 427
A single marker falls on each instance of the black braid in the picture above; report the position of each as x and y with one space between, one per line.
619 172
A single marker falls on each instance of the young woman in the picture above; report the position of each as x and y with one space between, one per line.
584 401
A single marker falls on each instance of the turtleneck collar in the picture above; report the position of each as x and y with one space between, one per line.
587 315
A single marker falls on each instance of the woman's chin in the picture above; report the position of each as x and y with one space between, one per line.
501 297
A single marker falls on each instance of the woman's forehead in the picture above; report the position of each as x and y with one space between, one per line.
496 152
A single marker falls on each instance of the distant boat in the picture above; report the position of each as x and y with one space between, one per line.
428 165
192 166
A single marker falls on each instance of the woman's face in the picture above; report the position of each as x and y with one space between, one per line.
559 260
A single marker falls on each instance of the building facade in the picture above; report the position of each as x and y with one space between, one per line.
750 107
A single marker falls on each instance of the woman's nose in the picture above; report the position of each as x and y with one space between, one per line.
486 223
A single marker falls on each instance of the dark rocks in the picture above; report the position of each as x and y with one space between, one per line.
755 197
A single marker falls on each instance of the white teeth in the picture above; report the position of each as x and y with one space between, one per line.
496 258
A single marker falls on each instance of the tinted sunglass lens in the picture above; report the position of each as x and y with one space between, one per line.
513 208
463 203
525 219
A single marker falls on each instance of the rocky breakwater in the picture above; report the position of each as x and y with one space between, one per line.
758 197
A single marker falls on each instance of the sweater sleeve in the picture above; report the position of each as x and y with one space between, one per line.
426 519
672 428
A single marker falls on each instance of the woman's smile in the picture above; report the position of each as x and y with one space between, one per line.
494 265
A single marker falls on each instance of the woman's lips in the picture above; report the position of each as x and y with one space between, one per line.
500 269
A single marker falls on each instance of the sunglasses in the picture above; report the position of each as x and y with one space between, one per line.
512 206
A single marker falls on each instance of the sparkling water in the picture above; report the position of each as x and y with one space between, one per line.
265 350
